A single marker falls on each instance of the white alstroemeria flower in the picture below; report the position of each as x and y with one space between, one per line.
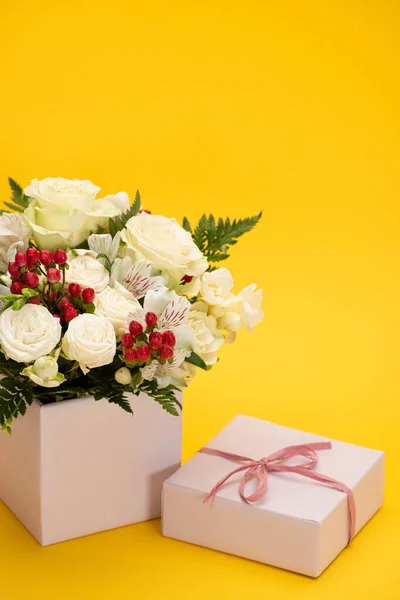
105 244
172 312
13 234
168 373
44 372
138 280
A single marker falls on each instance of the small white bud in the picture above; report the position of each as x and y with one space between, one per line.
45 367
123 376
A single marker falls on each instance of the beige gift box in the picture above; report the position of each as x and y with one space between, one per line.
78 467
299 525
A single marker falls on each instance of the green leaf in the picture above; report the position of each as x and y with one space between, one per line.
15 394
166 397
19 202
214 238
186 225
107 262
29 292
118 223
197 361
18 304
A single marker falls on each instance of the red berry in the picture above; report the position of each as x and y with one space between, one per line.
60 257
33 300
155 340
17 287
70 313
45 257
187 278
32 255
64 303
88 295
127 340
13 269
143 353
166 352
135 328
53 275
143 210
31 279
131 355
20 259
151 319
168 338
74 289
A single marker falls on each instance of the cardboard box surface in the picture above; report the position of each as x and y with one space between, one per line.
79 467
299 525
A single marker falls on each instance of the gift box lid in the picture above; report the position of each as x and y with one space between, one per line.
289 494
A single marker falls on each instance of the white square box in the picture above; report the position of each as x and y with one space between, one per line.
78 467
300 524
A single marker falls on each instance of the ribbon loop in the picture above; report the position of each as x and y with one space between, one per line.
276 463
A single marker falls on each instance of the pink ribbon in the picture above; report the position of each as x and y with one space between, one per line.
275 463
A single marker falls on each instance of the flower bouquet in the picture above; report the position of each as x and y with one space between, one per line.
103 305
100 297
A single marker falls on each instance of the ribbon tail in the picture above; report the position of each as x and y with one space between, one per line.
211 495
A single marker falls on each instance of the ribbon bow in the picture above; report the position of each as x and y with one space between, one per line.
275 463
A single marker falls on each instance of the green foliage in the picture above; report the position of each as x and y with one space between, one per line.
214 237
19 202
111 391
166 397
197 361
16 393
118 223
186 225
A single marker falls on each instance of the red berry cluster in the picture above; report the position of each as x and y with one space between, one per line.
140 345
25 271
27 266
76 300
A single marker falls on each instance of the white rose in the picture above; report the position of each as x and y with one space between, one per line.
28 333
166 244
63 212
44 372
90 340
116 306
88 272
208 338
216 287
12 231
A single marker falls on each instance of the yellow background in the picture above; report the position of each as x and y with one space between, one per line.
232 106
